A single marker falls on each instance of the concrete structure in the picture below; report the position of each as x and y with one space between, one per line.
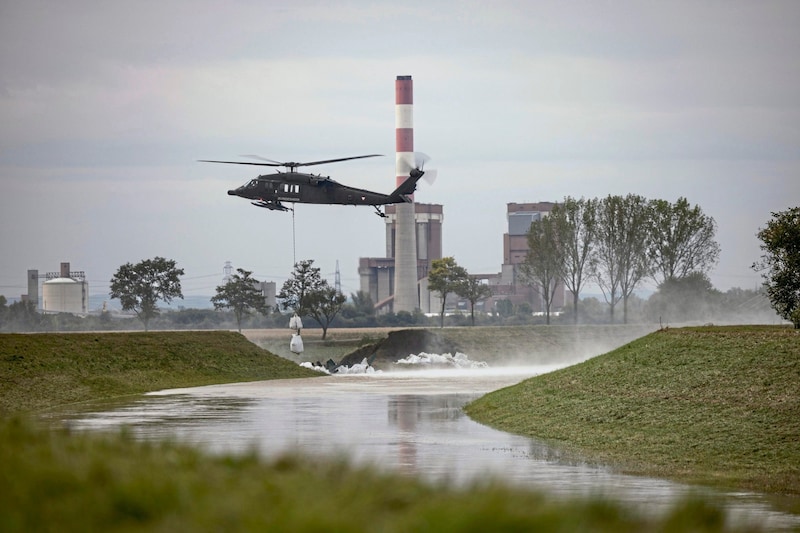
378 273
65 291
406 297
33 288
268 290
515 242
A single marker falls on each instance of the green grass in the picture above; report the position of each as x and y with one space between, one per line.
54 481
713 405
40 371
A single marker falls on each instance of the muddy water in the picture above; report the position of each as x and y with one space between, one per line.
410 422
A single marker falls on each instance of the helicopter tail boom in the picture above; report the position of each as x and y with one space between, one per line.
403 193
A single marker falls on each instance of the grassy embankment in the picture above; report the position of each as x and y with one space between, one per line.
54 480
40 371
713 405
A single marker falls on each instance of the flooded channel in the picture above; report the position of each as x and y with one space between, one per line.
406 421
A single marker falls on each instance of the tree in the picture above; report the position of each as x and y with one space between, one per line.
635 262
3 311
505 308
620 259
304 280
324 304
544 263
687 298
683 240
310 295
446 276
576 225
241 296
20 316
360 311
780 263
606 256
363 304
473 291
139 287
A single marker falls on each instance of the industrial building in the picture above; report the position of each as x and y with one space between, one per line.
65 291
377 274
508 284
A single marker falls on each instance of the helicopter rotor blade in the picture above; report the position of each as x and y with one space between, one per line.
405 164
288 164
430 176
336 160
420 160
252 156
242 163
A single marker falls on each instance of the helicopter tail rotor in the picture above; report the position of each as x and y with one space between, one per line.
413 163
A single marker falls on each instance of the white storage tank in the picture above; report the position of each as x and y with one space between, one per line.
65 295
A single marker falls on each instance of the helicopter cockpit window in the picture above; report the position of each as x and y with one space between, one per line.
253 183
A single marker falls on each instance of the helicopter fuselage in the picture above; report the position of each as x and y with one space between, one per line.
271 190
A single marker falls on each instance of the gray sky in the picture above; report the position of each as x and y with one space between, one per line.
106 106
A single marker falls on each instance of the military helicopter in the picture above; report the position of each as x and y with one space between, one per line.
270 191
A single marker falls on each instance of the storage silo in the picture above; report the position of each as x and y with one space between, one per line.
67 293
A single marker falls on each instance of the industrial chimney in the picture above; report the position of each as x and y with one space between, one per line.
406 296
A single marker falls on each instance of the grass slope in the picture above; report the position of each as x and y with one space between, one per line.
716 405
40 371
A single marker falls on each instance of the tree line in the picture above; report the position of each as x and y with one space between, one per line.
617 243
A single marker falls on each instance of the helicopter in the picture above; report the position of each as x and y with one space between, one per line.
270 191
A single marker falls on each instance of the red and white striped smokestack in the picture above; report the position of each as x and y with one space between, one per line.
406 295
404 125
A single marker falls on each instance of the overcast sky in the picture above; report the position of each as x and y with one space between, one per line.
105 108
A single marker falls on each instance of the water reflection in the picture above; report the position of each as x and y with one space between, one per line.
409 422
